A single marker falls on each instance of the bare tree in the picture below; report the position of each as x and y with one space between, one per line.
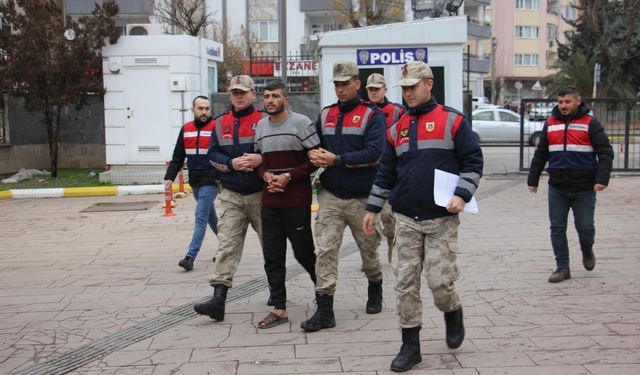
189 15
358 13
235 48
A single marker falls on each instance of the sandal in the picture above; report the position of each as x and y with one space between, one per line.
272 320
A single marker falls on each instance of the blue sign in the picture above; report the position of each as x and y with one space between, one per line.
391 56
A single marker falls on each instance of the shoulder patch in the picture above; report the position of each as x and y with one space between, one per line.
451 109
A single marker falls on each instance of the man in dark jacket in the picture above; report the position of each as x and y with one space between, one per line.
427 138
231 151
351 132
580 160
193 143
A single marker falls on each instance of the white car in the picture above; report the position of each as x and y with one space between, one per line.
503 125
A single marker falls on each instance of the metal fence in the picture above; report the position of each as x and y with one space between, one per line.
301 70
619 117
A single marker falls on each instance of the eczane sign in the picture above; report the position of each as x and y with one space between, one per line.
303 68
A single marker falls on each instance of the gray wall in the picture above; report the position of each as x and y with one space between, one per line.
82 137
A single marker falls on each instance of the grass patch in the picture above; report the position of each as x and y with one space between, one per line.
73 177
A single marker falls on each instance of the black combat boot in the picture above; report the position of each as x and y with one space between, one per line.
409 355
215 306
323 318
455 328
374 303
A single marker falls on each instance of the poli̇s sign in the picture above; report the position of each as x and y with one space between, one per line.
391 56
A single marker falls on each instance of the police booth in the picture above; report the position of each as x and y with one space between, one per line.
385 49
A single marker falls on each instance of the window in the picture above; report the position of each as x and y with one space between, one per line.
527 4
507 116
483 116
264 31
570 13
552 32
530 32
526 59
322 28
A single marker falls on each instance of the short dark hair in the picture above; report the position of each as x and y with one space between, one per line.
276 85
569 90
193 104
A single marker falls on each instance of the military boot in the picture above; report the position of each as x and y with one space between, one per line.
455 328
323 318
409 355
215 306
374 303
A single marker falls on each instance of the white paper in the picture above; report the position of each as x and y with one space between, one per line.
444 185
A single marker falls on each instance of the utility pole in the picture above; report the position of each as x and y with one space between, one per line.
494 47
282 36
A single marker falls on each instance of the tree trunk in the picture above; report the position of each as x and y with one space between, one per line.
52 131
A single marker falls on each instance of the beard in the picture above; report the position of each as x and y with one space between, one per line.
200 122
279 109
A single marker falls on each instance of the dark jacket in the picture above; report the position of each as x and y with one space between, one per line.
577 149
234 136
426 138
200 170
354 131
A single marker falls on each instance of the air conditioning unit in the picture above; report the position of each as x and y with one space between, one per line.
144 29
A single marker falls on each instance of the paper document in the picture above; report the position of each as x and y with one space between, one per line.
444 185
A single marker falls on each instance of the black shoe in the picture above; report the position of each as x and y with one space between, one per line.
215 306
324 317
588 260
186 263
409 354
455 328
374 303
559 275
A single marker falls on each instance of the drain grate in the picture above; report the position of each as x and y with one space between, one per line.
102 347
120 206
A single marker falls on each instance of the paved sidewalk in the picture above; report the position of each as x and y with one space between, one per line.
72 281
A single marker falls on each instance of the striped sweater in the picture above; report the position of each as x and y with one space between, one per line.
284 146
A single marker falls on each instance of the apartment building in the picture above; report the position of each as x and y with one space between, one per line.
132 13
525 43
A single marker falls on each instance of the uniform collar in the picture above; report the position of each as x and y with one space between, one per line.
348 106
423 108
245 112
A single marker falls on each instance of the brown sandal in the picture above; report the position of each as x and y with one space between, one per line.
272 320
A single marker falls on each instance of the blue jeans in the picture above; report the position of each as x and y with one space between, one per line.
205 213
583 204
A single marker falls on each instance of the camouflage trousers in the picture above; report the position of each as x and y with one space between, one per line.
334 215
432 245
235 213
388 227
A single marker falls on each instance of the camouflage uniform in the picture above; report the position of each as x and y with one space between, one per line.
388 225
333 216
236 212
432 245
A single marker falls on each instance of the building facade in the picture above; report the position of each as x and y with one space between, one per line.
525 43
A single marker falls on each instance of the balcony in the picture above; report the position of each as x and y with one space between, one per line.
478 30
316 5
477 64
126 7
478 2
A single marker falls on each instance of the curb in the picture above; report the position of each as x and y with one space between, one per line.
96 191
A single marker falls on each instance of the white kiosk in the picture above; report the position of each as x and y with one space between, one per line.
384 49
150 82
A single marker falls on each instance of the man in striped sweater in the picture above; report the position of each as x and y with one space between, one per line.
284 138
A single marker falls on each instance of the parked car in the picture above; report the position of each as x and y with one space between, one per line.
482 102
503 125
